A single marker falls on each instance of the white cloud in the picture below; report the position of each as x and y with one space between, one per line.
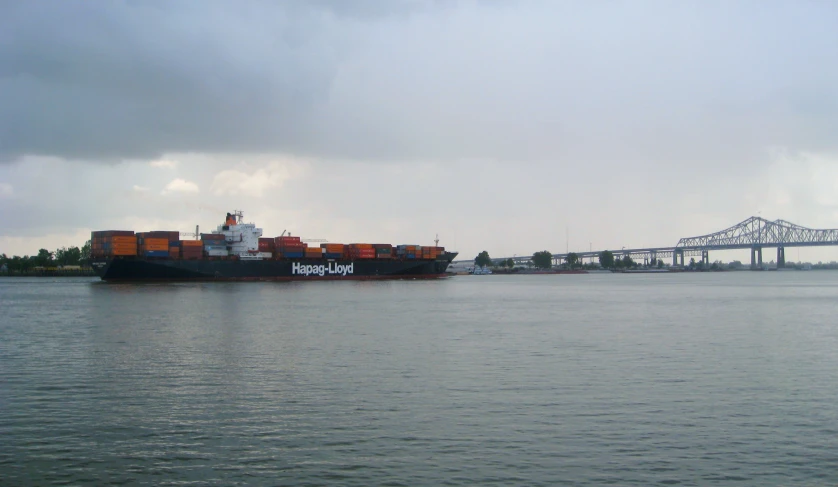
164 163
181 186
6 190
239 182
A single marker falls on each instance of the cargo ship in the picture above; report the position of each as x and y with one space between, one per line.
237 251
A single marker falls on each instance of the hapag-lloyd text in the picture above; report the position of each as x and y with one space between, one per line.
333 268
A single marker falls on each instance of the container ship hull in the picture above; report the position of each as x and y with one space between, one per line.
130 268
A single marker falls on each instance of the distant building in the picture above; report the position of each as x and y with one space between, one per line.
3 268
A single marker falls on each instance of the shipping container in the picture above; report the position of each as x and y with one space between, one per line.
191 243
156 253
123 239
111 233
266 244
292 255
333 255
287 240
360 246
154 247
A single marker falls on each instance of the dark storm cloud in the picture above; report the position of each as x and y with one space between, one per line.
613 84
134 79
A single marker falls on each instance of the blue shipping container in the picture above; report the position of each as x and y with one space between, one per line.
333 255
292 255
411 256
156 253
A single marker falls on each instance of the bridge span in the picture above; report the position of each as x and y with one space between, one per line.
755 233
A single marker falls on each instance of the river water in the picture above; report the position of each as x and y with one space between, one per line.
676 379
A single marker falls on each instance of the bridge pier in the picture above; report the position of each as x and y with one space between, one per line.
705 257
756 257
781 257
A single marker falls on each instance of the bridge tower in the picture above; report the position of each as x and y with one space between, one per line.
781 257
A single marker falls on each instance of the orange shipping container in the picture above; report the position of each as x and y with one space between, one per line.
154 248
124 247
126 240
156 241
191 243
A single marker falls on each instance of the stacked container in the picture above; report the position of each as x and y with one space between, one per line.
429 253
359 251
383 251
289 247
110 243
408 251
313 253
156 244
174 249
191 249
266 245
332 250
215 244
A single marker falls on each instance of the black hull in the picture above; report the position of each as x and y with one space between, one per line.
146 269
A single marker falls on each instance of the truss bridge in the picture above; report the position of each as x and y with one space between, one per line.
755 233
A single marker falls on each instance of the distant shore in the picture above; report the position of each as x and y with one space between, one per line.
84 272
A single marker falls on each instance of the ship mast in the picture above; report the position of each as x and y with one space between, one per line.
436 241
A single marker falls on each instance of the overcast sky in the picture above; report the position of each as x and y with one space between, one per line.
499 125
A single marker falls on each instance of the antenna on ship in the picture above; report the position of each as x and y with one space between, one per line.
436 241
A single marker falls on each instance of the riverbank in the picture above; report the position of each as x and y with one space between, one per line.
84 272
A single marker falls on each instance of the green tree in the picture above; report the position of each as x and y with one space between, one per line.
501 263
660 264
84 256
543 259
483 259
606 259
628 263
68 256
572 260
510 263
44 258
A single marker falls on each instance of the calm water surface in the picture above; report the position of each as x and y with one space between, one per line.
702 379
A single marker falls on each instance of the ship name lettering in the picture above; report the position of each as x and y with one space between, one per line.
300 269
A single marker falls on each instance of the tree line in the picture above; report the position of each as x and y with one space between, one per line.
64 256
544 260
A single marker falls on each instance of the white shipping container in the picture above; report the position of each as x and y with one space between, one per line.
217 253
